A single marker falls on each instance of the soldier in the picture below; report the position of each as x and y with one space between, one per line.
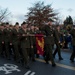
1 39
49 42
10 43
57 34
73 43
25 44
32 32
6 39
15 42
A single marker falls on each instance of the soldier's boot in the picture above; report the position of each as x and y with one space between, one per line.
72 57
33 59
53 65
72 60
60 58
53 56
26 65
46 60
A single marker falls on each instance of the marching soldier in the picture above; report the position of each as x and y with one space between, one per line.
1 39
6 39
25 44
32 37
49 42
73 43
57 42
15 42
10 43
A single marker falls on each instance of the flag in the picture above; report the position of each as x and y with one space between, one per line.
40 44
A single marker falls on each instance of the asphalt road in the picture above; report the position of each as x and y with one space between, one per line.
64 67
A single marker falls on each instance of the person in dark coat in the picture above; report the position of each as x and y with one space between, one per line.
1 40
6 40
15 42
57 34
73 43
49 42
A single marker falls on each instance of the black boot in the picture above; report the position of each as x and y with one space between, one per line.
53 65
47 62
72 60
27 67
33 60
53 56
60 58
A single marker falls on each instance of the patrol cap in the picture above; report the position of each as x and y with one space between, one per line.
16 23
7 23
23 23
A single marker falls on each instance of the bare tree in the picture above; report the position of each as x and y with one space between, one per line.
40 13
4 13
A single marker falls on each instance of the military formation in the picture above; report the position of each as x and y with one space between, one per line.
20 42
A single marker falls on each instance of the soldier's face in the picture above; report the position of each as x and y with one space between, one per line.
32 27
50 23
24 26
2 27
17 26
58 28
10 27
7 26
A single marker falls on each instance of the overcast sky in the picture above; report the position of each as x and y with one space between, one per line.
19 8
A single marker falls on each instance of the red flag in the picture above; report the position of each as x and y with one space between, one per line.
40 44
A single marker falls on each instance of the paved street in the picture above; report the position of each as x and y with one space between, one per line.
64 67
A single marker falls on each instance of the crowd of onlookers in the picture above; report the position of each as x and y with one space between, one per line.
67 38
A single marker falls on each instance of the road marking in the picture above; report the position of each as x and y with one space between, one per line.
60 65
9 68
33 73
28 72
